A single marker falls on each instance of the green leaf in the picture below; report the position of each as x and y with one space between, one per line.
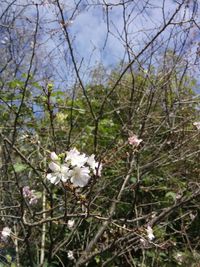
133 179
8 258
15 83
19 167
81 111
58 93
97 259
171 195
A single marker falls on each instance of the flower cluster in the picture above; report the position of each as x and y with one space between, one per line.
30 195
76 168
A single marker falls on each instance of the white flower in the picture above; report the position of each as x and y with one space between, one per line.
6 232
91 161
70 255
72 153
77 168
53 156
150 234
133 140
70 224
60 173
79 176
94 165
75 158
197 124
99 169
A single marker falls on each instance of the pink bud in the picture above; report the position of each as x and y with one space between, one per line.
133 140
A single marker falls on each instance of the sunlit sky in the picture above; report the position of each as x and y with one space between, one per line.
97 34
88 28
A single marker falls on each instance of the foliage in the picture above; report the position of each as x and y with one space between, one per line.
164 172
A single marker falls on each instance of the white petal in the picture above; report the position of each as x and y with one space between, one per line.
150 233
78 181
54 179
81 180
84 171
91 161
54 167
197 124
64 177
6 232
70 255
71 154
75 158
79 160
64 169
98 170
70 224
54 156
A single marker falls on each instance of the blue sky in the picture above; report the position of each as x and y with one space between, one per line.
88 31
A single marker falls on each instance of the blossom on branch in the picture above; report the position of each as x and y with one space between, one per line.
75 158
70 255
95 166
79 176
54 157
59 173
5 233
134 141
30 194
76 167
70 224
150 234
